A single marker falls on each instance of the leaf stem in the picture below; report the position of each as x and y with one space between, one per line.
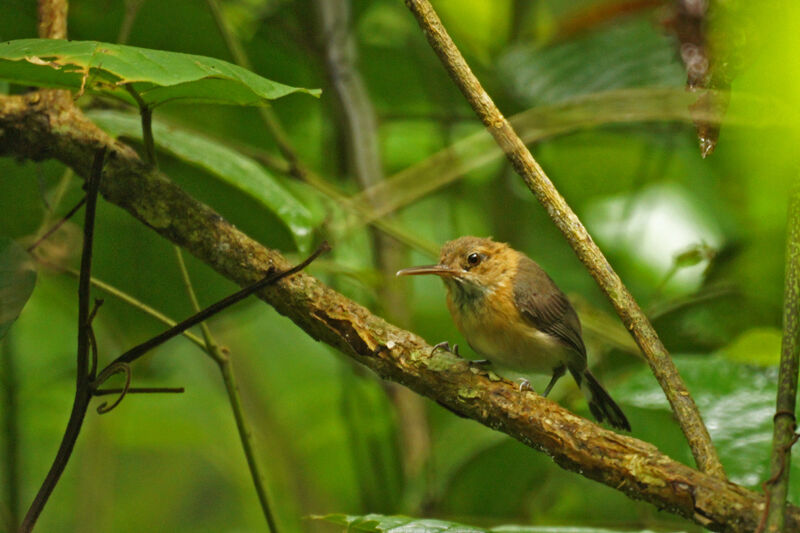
146 113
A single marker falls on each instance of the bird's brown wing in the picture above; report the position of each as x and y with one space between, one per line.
544 306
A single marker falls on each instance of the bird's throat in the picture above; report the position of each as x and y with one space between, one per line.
465 295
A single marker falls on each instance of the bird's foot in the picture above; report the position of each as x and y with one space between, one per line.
525 385
444 345
481 363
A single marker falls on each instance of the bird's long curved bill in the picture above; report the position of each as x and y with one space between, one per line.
439 270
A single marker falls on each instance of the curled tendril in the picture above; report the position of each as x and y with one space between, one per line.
115 368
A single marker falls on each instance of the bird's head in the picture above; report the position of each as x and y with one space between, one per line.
471 266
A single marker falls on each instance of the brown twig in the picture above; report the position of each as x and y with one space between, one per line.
82 387
587 251
709 69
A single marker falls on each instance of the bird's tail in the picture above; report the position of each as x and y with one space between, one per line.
600 403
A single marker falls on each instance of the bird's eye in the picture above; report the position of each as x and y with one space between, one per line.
474 258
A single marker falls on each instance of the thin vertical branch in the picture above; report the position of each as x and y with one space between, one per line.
10 402
567 221
785 423
223 360
248 443
83 391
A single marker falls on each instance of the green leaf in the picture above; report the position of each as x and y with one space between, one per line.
737 402
156 75
17 279
225 163
376 523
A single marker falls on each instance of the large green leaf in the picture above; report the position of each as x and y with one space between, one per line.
156 75
17 279
377 523
229 165
737 402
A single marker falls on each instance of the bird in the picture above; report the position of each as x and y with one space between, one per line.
512 313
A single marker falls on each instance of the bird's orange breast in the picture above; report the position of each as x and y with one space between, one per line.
494 327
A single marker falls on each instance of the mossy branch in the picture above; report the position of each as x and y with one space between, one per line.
31 130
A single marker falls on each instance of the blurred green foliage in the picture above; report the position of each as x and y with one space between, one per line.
331 437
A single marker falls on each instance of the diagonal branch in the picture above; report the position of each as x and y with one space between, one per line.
636 468
567 221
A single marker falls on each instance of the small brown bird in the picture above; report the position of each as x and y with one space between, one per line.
512 313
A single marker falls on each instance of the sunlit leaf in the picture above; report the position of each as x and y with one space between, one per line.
226 164
17 279
156 75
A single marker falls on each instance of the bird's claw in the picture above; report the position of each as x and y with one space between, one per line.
444 345
481 363
525 385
